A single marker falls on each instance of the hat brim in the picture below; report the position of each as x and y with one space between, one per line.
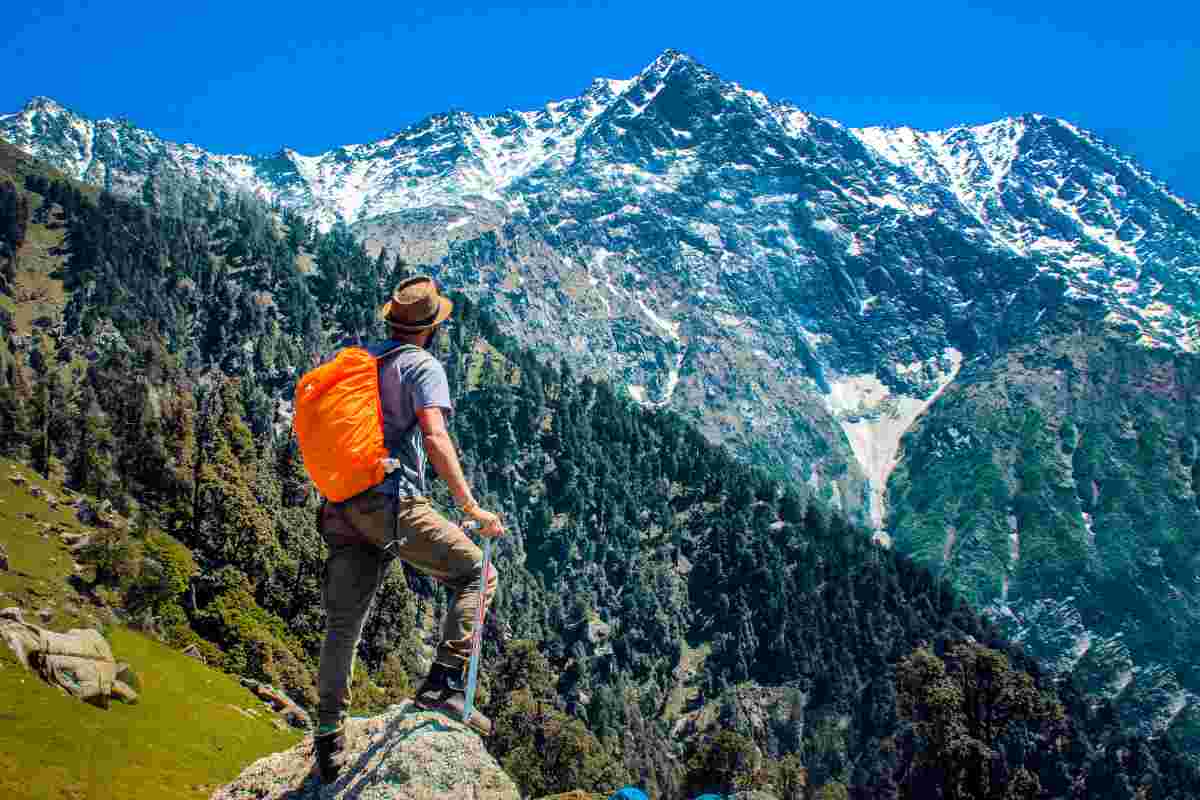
443 312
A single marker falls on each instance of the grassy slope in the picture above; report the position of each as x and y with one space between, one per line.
37 293
39 565
15 164
185 737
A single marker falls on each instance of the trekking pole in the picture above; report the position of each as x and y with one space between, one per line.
477 634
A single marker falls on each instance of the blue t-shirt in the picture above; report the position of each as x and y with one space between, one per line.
408 381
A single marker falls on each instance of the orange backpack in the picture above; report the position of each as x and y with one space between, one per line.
339 422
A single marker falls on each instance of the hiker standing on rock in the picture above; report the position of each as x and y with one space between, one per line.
395 519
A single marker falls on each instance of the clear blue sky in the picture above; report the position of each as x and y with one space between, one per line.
252 76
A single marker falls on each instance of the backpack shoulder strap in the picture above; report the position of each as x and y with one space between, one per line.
397 350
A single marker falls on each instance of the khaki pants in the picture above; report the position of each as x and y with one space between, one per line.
363 534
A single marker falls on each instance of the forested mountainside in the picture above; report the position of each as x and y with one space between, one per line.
1060 485
668 613
802 292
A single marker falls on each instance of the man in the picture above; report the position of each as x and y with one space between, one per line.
396 520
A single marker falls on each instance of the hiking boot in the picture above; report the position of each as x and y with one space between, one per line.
443 691
328 745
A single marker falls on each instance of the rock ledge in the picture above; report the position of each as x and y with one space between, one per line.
402 754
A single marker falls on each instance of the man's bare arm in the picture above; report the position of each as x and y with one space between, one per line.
440 449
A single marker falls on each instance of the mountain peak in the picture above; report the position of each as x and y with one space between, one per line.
672 55
666 60
43 103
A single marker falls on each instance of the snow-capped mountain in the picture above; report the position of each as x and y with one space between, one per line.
804 292
770 271
1050 191
442 159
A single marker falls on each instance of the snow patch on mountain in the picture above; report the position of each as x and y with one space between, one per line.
671 329
874 419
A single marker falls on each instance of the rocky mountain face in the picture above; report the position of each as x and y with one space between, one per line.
805 292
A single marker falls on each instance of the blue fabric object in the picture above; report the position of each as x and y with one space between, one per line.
709 797
629 793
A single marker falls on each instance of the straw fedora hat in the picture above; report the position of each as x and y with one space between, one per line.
416 306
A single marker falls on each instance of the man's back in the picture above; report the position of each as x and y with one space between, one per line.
408 380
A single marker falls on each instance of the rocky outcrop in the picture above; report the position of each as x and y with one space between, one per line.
3 559
598 633
49 499
98 515
402 754
79 661
286 707
192 651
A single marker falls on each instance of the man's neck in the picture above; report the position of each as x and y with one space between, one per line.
408 338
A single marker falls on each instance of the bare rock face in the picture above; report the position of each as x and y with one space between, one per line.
402 754
3 559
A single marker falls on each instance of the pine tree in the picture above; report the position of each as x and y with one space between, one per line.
42 413
229 523
15 429
149 196
92 469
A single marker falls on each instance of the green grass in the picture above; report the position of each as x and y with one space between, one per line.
15 164
38 293
475 366
39 566
691 663
183 739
